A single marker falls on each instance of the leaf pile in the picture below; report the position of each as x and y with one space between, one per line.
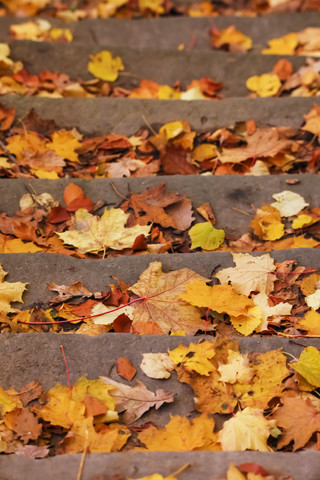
16 79
283 82
40 30
149 8
274 405
41 150
305 42
257 295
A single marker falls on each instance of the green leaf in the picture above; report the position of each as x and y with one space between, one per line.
204 235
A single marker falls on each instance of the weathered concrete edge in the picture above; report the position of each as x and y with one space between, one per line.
126 115
204 465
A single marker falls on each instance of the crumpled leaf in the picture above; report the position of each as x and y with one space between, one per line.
299 419
181 435
204 235
267 223
91 234
308 366
9 292
289 203
247 430
251 274
236 370
156 365
196 357
65 292
282 308
137 400
162 304
102 65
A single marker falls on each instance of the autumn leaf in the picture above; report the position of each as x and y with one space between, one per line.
90 234
251 274
313 121
237 369
267 223
103 65
311 322
299 420
195 357
289 203
205 236
137 400
285 45
308 366
181 435
64 143
232 38
247 430
162 304
156 365
9 292
248 323
265 85
125 368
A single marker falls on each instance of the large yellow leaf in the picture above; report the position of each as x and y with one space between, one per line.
162 304
31 142
265 85
247 430
92 234
246 324
285 45
102 65
181 435
64 143
204 235
195 358
9 400
251 274
220 298
311 322
308 366
9 292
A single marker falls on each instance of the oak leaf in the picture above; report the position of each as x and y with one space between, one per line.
299 420
137 400
91 234
251 274
181 435
162 304
247 430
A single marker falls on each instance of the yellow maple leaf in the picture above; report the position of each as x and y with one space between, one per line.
102 65
9 400
15 245
181 435
302 242
248 323
267 223
220 298
237 369
265 85
166 92
204 235
285 45
9 292
308 366
311 322
92 234
64 144
247 430
26 142
231 36
196 357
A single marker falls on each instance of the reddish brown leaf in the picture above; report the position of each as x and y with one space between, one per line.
176 161
74 198
125 368
122 324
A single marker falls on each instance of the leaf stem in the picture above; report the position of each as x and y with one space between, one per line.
67 367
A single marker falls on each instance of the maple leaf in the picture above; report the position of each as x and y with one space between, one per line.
246 324
181 435
9 292
265 142
156 365
162 304
247 430
236 370
91 234
288 203
103 65
311 322
251 274
195 357
24 423
137 400
299 419
220 298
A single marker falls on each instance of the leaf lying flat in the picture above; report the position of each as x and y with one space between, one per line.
91 234
162 304
137 400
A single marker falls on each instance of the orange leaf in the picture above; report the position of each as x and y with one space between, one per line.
125 368
74 198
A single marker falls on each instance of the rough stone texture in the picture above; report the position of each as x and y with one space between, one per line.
127 115
230 68
224 193
166 33
39 269
203 465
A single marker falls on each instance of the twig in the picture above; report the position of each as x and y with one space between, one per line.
67 367
117 191
6 151
146 121
83 457
180 470
241 211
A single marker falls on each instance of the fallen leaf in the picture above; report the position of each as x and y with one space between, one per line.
9 292
236 370
103 65
289 203
195 357
156 365
65 292
265 85
137 400
162 304
74 198
205 236
311 322
308 366
125 368
267 223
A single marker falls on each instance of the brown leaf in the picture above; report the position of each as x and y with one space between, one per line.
65 292
7 116
175 160
30 392
74 198
206 212
38 124
94 406
283 68
125 368
299 419
24 423
122 324
32 451
137 400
